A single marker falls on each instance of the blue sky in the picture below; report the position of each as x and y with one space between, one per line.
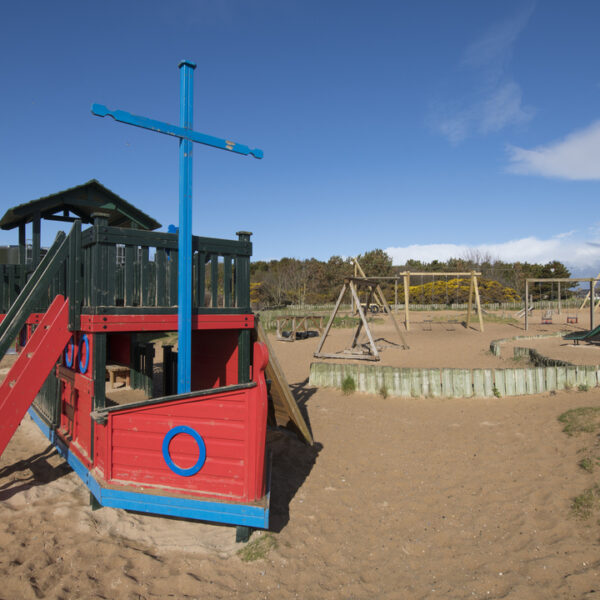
424 128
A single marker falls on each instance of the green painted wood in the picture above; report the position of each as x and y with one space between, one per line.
169 241
214 280
201 289
173 265
160 260
147 286
32 292
244 356
227 280
99 369
129 277
110 252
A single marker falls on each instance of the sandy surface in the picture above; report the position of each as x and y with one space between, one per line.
399 498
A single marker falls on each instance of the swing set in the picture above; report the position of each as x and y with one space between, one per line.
548 314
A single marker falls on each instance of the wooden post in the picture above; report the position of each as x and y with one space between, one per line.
22 244
330 322
36 239
406 297
477 302
592 303
526 305
396 294
363 319
470 305
387 310
559 298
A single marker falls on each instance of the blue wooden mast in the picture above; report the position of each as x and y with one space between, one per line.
186 136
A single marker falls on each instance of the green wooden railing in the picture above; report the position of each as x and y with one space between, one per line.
128 269
114 270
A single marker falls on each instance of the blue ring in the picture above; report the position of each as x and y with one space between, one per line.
167 456
69 361
83 367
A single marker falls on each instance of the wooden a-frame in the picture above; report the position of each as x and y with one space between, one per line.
352 284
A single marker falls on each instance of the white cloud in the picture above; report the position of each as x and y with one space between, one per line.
576 157
564 247
493 100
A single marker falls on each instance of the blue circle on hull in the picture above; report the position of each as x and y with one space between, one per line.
201 448
69 359
83 365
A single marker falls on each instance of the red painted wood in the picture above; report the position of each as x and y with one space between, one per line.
107 323
32 367
215 359
232 425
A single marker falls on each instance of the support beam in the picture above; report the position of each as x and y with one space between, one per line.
592 303
526 305
36 239
406 299
478 302
22 244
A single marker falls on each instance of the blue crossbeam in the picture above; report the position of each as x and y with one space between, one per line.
202 138
186 136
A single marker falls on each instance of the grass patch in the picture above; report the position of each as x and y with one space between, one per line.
348 385
584 505
383 391
258 549
583 387
587 464
496 391
581 420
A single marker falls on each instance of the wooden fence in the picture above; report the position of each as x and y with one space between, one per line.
453 383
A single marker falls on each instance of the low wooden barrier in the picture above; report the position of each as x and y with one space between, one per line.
297 324
453 383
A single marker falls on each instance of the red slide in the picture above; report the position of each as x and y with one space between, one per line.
33 366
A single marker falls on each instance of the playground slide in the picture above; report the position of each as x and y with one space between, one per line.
583 335
32 367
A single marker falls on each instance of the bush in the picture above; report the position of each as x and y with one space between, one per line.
348 385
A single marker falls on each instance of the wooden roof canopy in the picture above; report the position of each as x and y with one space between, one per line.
80 202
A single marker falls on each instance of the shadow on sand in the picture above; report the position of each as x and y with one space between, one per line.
30 472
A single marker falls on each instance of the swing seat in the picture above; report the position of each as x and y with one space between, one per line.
572 319
547 318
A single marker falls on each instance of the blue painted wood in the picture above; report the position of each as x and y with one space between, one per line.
189 508
184 280
186 136
201 138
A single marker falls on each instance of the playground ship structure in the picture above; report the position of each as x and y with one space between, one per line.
85 311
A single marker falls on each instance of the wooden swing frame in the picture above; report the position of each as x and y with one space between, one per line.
373 289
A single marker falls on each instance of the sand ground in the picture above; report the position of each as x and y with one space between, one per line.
399 498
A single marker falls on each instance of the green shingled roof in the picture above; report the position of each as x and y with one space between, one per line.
80 202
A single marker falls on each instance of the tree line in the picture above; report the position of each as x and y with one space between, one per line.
311 281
